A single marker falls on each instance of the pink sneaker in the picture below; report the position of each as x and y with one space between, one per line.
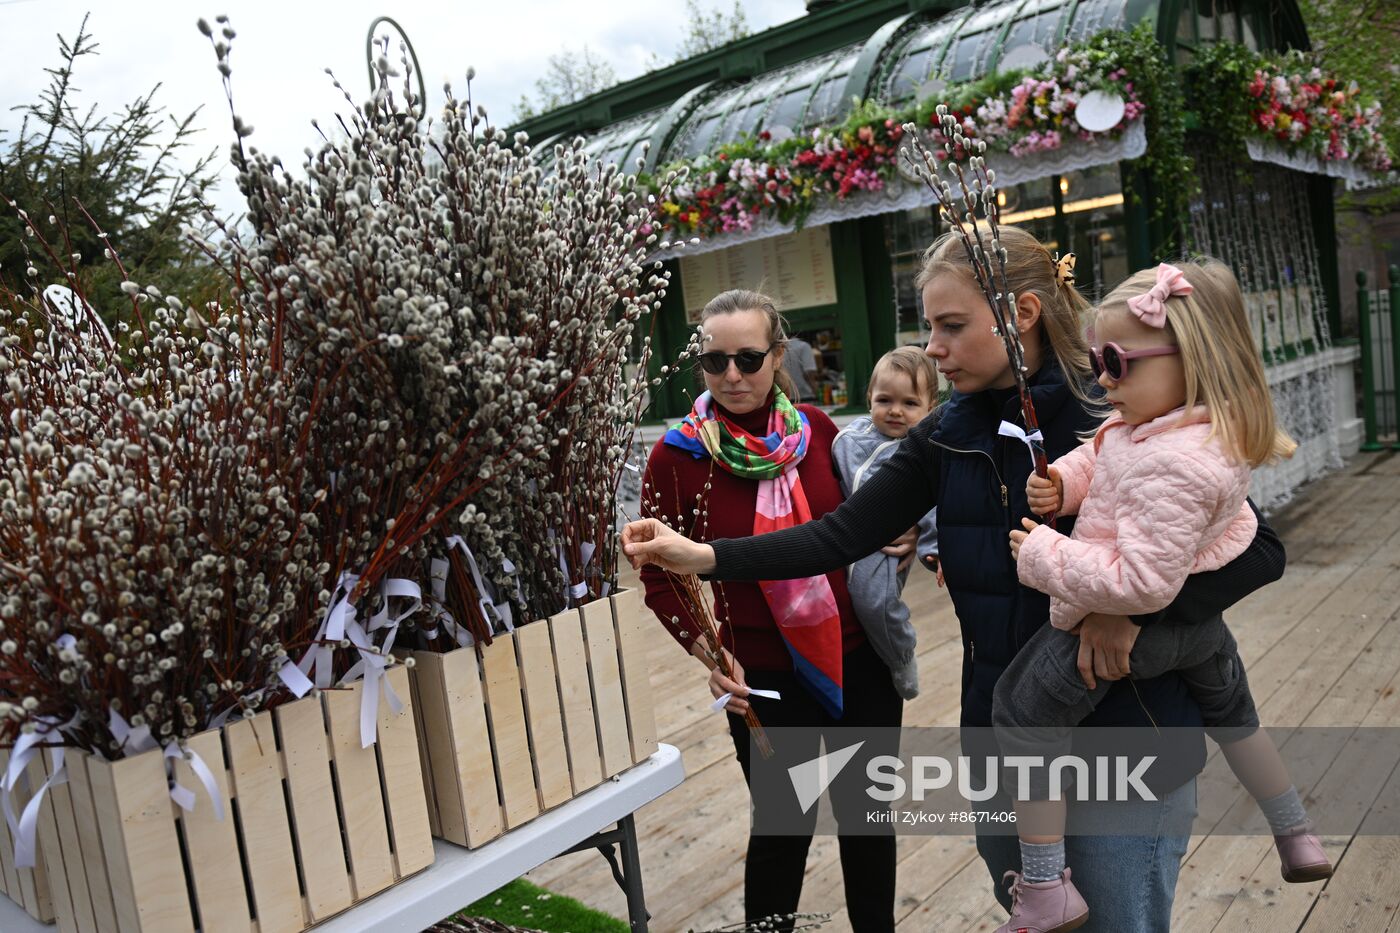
1301 853
1044 906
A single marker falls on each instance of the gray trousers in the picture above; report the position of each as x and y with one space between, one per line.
1041 696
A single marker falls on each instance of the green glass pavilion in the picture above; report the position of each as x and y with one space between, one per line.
807 73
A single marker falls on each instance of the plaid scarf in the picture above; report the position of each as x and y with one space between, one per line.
804 609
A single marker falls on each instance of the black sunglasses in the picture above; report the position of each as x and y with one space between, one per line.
748 361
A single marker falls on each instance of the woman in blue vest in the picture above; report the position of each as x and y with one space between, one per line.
962 461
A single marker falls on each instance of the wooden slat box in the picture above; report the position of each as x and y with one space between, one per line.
561 705
27 887
313 823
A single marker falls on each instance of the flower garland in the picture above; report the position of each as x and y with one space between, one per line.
1289 99
732 187
1022 114
1026 113
1015 112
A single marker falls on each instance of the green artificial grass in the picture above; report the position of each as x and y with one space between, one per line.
523 904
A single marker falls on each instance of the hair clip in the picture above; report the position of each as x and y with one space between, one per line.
1064 268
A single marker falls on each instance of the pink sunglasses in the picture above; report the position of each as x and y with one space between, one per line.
1113 359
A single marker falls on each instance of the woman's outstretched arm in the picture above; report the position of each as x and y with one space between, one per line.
885 506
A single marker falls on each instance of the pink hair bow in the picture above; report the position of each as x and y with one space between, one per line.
1151 306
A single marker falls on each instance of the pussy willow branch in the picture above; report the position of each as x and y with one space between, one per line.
987 258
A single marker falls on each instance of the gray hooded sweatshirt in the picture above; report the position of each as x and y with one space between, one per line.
874 583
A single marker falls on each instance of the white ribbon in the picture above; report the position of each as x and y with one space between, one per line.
373 661
24 829
486 593
1007 429
339 624
718 705
437 583
137 739
495 611
508 567
580 590
318 658
186 798
574 592
47 732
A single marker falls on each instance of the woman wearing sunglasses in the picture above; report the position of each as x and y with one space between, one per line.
747 460
968 462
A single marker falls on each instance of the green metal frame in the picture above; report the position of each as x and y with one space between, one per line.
1394 295
994 56
858 81
1065 21
672 120
1368 365
816 85
369 56
937 68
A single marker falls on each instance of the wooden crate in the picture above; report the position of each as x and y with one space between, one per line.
27 887
515 728
313 824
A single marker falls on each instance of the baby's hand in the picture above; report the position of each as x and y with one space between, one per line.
1044 494
1018 536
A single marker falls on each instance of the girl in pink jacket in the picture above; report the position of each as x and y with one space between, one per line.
1159 493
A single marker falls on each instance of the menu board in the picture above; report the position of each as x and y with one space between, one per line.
794 268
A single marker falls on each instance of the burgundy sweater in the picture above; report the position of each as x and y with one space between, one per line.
674 479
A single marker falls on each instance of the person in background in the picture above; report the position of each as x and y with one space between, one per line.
800 363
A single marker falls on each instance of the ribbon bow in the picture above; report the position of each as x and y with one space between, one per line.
1008 429
340 623
138 739
1151 306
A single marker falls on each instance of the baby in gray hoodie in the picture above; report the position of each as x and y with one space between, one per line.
903 391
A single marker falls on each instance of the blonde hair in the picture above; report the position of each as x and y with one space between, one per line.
1030 270
741 299
1222 365
912 362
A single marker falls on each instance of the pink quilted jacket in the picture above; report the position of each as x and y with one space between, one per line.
1156 503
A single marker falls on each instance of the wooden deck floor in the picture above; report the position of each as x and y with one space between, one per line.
1322 648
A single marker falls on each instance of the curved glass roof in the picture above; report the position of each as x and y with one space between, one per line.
965 44
796 97
971 42
621 143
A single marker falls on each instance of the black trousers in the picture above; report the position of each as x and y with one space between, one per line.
776 864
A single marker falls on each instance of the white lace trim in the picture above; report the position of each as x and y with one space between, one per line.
1268 150
900 194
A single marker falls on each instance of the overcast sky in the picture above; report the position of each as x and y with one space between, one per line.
283 47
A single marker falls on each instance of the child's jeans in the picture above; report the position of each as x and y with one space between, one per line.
1041 694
